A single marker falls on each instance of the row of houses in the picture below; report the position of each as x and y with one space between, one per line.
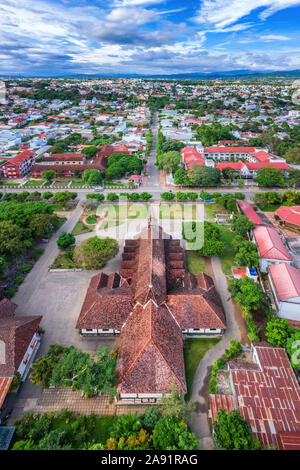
276 261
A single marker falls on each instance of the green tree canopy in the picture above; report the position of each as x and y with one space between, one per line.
95 252
232 432
278 332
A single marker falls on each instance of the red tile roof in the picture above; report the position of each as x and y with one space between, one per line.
250 212
20 158
16 332
5 383
269 244
286 280
151 340
150 347
229 149
290 214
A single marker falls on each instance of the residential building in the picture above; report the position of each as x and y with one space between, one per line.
20 165
289 217
270 247
285 285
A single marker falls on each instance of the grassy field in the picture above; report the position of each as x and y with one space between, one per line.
195 263
116 184
110 223
227 258
77 184
178 211
61 183
64 261
81 228
132 211
14 185
270 208
34 183
194 350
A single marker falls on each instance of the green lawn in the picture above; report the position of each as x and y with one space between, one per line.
178 211
124 211
15 185
270 208
195 263
111 184
60 183
64 261
110 223
81 228
34 183
77 184
209 210
227 258
194 350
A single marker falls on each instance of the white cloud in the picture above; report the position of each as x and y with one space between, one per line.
132 15
275 37
222 13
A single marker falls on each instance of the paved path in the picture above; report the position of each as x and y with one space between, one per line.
200 425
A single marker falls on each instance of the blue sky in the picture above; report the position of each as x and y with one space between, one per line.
149 37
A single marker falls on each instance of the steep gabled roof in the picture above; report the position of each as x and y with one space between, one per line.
151 270
150 355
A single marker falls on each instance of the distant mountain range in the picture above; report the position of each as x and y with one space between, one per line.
229 75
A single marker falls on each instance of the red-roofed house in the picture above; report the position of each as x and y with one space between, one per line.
267 395
19 342
249 212
270 247
19 165
289 216
285 284
190 157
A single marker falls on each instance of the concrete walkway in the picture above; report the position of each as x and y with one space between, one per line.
199 424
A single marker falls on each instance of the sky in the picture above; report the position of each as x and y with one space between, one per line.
48 37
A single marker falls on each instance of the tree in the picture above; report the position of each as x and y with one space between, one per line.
278 332
247 294
48 175
210 237
167 196
2 265
145 196
65 240
92 177
95 252
173 405
241 225
112 197
203 175
21 213
168 161
247 254
14 240
61 198
293 348
269 177
171 433
90 151
42 368
293 155
76 369
232 432
47 195
42 225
